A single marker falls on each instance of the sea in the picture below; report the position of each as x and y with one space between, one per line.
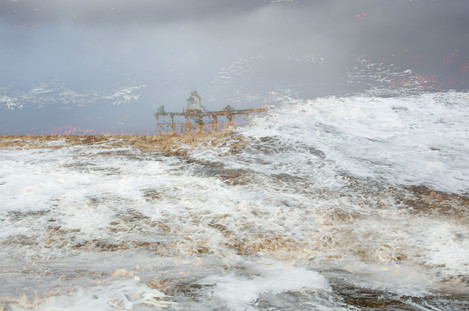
356 202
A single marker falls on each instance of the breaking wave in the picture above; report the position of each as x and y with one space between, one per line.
336 203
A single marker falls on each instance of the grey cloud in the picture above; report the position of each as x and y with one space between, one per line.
326 25
101 12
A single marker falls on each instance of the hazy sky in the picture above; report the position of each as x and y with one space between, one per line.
107 65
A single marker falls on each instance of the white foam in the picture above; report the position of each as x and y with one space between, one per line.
57 203
240 292
447 247
117 295
409 140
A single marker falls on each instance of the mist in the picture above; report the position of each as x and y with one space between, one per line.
106 67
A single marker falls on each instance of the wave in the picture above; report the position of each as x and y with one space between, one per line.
408 140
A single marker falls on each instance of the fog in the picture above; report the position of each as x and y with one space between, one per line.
107 66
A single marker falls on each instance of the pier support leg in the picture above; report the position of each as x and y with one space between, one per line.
215 123
188 126
173 125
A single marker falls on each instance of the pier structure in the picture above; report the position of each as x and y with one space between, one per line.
198 116
195 111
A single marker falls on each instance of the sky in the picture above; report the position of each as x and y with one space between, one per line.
106 66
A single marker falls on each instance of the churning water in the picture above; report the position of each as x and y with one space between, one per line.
352 203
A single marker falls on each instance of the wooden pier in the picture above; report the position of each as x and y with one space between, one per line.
199 114
196 111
